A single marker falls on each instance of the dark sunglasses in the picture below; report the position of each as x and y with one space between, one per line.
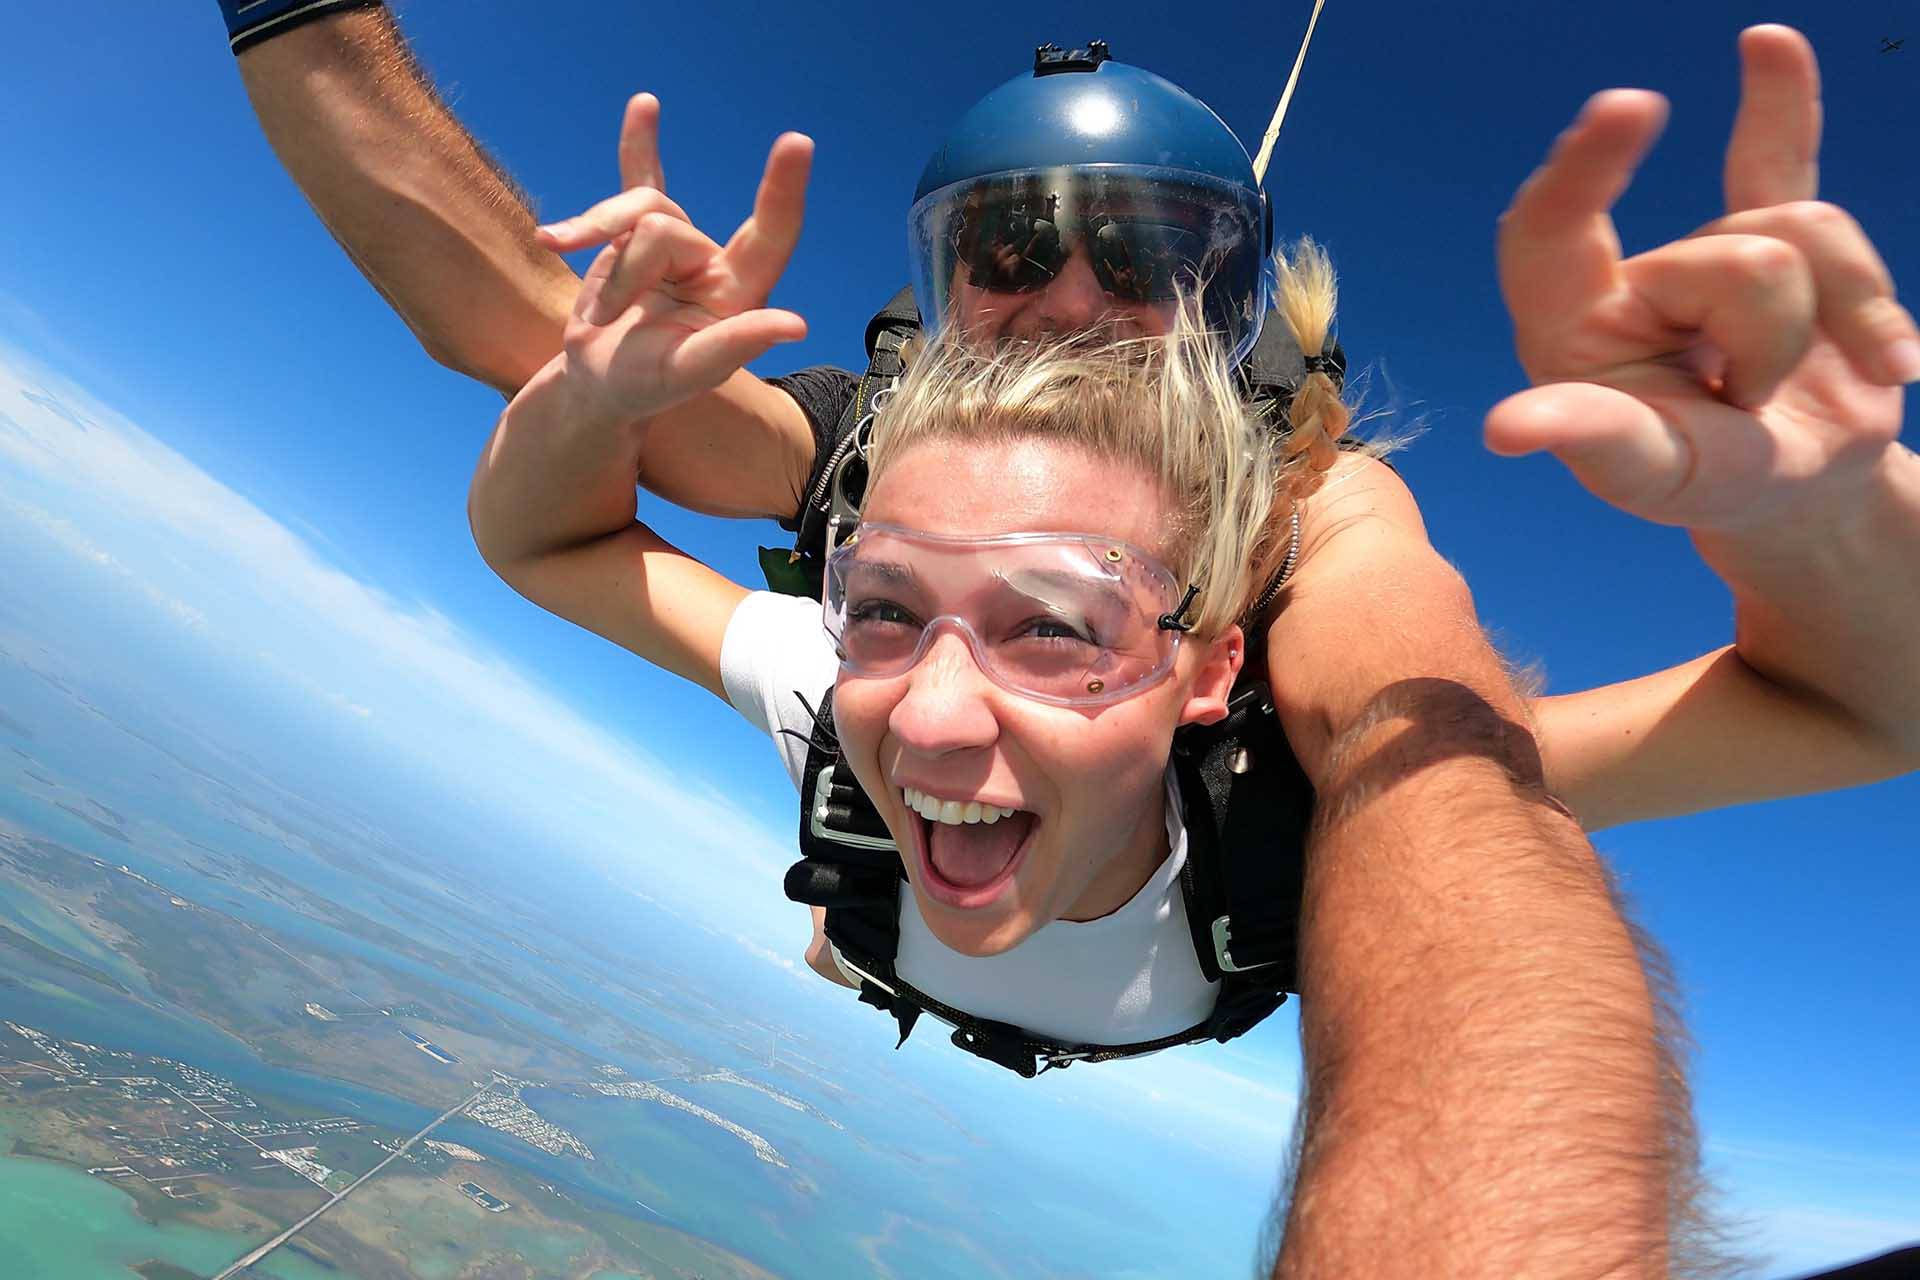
1014 247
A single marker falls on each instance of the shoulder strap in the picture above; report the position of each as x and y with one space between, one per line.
848 862
839 478
1247 805
901 314
849 865
1274 368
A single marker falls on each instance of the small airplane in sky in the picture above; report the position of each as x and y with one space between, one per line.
1888 45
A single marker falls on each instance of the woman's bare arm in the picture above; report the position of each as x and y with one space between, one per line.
1743 382
1704 735
554 516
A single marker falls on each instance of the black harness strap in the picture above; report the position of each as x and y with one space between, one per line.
1240 780
838 481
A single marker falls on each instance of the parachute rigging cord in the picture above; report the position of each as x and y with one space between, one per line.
1286 96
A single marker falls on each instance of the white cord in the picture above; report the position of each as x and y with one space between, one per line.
1280 112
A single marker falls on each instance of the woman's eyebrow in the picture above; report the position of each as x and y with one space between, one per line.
879 572
1045 584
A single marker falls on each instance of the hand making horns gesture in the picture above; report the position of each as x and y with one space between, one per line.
1746 376
665 313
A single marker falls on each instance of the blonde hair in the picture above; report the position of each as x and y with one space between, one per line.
1317 417
1169 405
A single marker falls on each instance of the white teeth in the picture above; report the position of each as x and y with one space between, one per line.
953 812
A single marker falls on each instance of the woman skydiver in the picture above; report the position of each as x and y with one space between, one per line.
1375 636
1471 998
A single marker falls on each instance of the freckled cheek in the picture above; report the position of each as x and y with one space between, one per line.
860 711
1108 776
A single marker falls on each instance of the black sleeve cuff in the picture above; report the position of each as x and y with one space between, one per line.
252 24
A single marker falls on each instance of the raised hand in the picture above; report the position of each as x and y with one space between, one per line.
1746 377
665 313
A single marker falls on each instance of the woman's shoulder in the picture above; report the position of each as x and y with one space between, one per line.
776 662
1357 488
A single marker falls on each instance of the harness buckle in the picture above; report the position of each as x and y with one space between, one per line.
1049 1061
822 809
1222 935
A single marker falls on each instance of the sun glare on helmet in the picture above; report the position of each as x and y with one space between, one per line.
1095 115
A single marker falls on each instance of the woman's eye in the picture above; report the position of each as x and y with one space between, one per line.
1057 629
880 611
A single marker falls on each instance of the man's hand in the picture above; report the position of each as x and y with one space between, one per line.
665 313
1745 377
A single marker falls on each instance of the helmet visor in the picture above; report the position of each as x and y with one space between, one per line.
1063 618
1146 234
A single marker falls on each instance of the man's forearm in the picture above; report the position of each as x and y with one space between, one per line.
1487 1093
447 239
420 208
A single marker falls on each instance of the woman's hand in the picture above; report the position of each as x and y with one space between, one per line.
820 953
665 313
1744 381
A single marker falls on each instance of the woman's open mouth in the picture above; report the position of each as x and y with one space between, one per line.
968 851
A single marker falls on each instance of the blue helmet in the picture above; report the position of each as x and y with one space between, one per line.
1088 153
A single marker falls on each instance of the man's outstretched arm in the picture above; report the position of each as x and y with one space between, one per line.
447 238
1487 1091
423 211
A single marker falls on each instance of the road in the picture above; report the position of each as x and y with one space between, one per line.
298 1227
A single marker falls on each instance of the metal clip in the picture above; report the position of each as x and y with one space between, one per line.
1222 935
823 809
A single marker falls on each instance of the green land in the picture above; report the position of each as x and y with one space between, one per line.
115 1164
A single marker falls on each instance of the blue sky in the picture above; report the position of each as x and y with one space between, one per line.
277 478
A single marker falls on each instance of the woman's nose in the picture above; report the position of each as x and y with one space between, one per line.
947 704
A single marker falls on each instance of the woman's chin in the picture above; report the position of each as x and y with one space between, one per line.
976 932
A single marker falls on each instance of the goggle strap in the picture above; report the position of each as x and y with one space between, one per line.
1177 620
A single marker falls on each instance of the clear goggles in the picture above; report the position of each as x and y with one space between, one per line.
1149 234
1067 619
